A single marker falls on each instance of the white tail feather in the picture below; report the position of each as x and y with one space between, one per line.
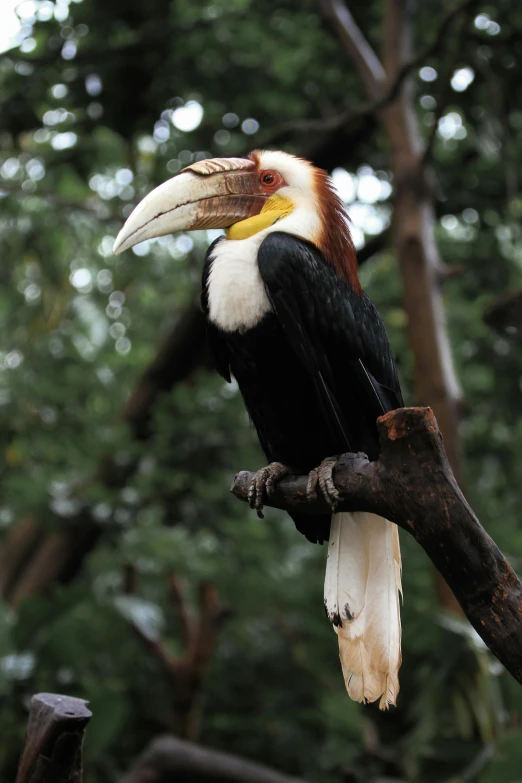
361 594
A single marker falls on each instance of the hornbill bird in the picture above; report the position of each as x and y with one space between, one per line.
288 319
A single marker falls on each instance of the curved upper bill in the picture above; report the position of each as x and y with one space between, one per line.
210 194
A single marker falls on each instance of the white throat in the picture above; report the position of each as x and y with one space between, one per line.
237 297
236 293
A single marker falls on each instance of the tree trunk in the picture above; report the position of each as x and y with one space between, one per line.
413 231
413 222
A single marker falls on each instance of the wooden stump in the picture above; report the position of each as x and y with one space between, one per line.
54 738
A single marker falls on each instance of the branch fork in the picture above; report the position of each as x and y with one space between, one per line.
185 674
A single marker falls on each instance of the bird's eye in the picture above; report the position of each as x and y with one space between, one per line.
271 180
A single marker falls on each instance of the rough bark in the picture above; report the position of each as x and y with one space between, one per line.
168 759
54 738
412 484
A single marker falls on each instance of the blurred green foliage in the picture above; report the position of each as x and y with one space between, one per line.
89 121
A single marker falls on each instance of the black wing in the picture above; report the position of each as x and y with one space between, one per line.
339 337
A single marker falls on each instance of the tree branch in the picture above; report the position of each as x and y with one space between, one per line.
397 36
167 759
54 738
186 619
185 673
412 485
354 42
344 118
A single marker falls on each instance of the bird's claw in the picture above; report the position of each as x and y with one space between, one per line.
323 475
264 481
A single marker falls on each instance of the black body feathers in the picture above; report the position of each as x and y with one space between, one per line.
317 371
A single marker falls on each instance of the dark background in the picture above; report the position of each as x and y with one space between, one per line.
119 442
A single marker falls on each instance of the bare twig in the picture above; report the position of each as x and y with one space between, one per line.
412 485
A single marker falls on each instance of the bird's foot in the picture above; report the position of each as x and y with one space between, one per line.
265 481
323 475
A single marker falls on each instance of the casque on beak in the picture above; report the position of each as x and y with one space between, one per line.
212 193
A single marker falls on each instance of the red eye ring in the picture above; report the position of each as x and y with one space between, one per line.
271 180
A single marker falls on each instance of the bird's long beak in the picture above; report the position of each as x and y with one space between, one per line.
209 194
